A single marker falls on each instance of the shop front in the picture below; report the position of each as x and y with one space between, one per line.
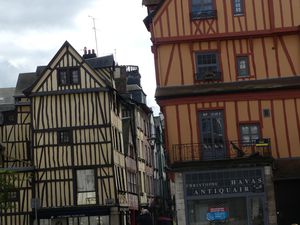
231 196
83 215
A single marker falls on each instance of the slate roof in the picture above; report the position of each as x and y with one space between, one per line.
101 62
148 19
150 2
25 80
7 101
40 69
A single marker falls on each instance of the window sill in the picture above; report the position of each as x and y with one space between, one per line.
204 15
204 18
238 14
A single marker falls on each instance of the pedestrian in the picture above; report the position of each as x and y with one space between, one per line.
144 218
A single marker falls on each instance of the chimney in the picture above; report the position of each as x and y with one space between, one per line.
88 54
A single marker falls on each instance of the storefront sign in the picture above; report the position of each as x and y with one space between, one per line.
217 214
224 182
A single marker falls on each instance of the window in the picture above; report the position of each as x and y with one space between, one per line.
249 133
65 137
68 76
238 7
243 66
11 195
131 182
207 66
86 191
131 153
266 113
212 137
10 117
203 9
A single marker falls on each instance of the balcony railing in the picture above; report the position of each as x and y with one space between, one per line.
204 14
220 151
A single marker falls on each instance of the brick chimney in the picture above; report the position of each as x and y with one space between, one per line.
88 54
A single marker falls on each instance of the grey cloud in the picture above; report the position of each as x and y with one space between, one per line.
39 14
33 58
8 74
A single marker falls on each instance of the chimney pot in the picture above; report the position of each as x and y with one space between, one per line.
89 51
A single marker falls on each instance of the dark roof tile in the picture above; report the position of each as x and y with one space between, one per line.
101 62
25 80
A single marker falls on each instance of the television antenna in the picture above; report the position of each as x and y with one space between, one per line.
95 32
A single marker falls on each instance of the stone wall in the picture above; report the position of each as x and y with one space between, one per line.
269 184
179 199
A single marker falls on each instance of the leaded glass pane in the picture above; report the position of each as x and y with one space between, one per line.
75 76
63 77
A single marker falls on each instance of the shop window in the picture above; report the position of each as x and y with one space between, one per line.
203 9
256 211
243 66
86 220
68 76
86 190
249 133
207 66
230 210
238 7
64 137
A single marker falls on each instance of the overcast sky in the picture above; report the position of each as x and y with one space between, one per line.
32 31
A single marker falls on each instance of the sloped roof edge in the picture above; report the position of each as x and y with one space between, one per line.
148 20
29 89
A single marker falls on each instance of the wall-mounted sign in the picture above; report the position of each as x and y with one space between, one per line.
217 214
224 182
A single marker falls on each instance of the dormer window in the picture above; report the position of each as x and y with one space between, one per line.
203 9
68 76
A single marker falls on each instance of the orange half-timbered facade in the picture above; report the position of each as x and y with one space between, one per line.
228 78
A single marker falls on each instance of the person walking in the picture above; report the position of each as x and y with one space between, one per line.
144 218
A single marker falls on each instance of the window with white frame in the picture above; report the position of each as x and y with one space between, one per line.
242 66
86 190
207 66
249 133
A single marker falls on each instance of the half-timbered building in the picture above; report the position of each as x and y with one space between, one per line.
78 148
62 135
136 117
16 167
227 75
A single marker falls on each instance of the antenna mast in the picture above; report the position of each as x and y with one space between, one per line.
95 32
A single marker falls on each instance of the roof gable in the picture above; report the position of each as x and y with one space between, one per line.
66 57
